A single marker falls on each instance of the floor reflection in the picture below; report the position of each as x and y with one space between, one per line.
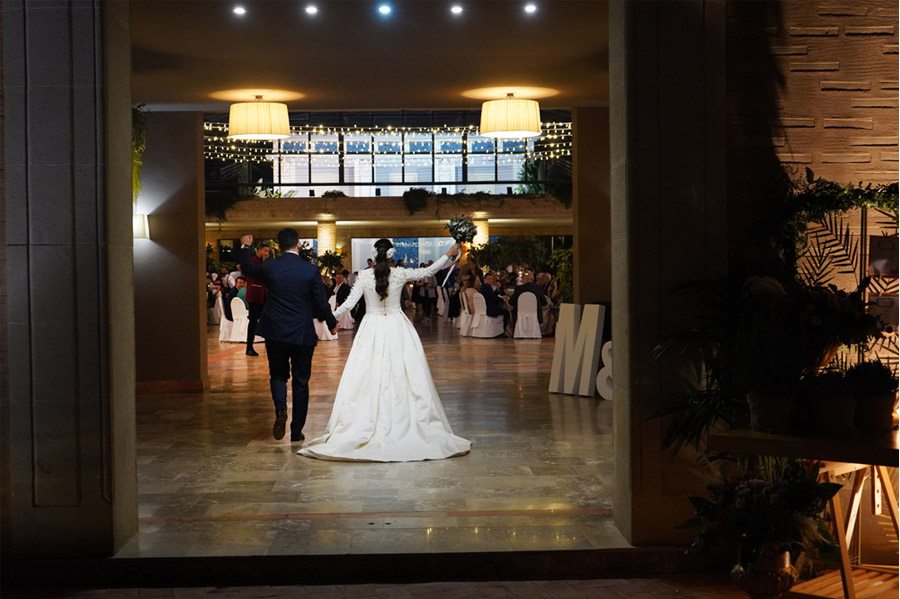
212 481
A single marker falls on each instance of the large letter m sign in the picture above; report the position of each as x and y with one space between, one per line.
576 357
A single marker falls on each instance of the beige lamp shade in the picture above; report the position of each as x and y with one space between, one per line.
259 120
510 118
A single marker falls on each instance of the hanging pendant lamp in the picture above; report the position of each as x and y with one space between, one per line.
510 118
258 120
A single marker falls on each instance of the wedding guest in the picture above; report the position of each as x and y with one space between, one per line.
341 287
528 286
329 288
471 265
233 275
469 288
236 291
491 292
369 263
256 298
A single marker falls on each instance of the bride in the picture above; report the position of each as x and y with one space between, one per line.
387 408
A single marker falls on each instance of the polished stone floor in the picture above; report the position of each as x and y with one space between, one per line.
212 481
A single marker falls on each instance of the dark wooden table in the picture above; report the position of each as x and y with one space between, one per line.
863 455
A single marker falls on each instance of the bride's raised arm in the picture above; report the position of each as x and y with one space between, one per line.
414 274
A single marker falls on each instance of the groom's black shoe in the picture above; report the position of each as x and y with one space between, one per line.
252 352
278 427
298 438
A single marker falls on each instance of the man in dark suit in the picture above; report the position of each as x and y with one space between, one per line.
491 292
294 296
256 298
341 287
528 286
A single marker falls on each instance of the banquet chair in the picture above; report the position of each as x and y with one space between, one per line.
484 326
441 303
527 324
322 331
224 324
465 319
346 320
240 318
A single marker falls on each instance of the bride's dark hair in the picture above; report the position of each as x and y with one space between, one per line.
382 267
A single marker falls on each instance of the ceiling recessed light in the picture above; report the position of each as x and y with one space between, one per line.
311 9
239 10
384 9
456 9
531 8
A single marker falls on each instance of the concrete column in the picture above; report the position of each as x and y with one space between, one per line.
326 233
669 223
484 233
67 439
590 204
170 266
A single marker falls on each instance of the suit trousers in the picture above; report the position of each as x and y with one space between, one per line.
287 360
255 310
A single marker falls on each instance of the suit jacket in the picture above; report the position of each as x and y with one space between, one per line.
341 292
294 296
491 300
530 288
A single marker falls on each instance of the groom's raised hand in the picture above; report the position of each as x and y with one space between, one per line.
247 240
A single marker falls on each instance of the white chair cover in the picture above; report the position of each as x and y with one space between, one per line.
240 320
484 326
346 321
322 331
441 303
224 323
527 325
465 319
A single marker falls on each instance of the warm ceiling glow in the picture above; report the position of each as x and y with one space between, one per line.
242 95
510 118
259 120
519 91
531 8
239 10
456 9
384 9
312 9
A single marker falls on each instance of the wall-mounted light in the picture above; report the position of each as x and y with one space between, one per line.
140 226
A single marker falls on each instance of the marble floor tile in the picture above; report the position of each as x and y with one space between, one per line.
539 476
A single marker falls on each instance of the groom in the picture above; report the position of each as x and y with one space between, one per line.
295 296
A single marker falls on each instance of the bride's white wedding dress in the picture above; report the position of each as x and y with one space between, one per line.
386 408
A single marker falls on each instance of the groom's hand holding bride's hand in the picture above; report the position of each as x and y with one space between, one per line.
454 249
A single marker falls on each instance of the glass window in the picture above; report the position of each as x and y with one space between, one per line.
325 168
509 168
447 170
481 167
324 144
388 169
480 145
295 144
418 143
418 168
358 169
358 143
448 143
514 145
294 169
388 143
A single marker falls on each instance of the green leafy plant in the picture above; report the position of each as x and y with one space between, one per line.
548 178
561 261
511 250
138 145
331 261
871 378
775 503
334 193
416 199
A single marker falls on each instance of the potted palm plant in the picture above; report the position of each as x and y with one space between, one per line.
831 403
875 387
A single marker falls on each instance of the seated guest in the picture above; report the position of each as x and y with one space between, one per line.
491 292
469 285
239 290
326 282
529 286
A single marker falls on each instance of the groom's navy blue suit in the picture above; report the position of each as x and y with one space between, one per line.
294 296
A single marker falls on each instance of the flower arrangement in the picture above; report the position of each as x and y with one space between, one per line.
775 506
462 229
